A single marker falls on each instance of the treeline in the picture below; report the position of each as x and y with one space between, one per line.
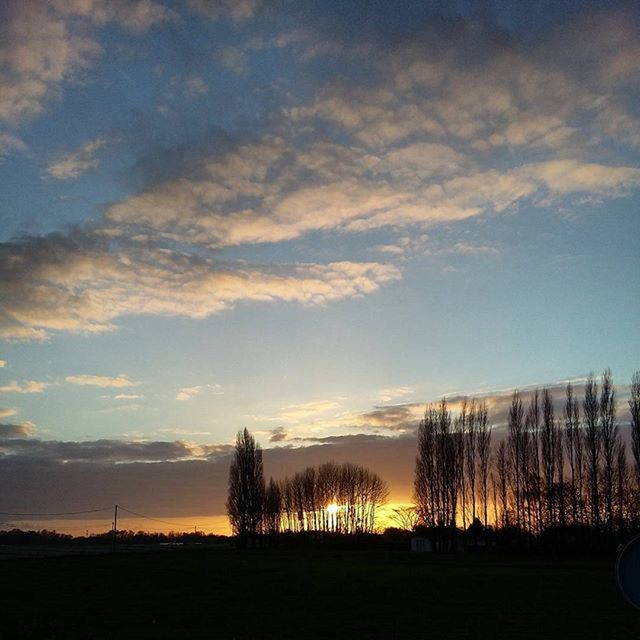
339 498
46 537
549 472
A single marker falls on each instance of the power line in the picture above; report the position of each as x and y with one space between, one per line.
141 515
65 513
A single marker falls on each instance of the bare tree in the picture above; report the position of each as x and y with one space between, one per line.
503 469
341 498
609 439
484 455
548 454
425 489
516 445
245 501
634 410
592 441
572 440
468 423
405 518
622 488
272 507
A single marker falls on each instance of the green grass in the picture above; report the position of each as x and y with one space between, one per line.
308 593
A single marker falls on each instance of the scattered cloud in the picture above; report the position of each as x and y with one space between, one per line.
233 59
7 412
238 10
278 435
177 431
306 410
102 381
20 430
43 45
26 386
195 86
10 144
392 393
188 393
127 396
3 364
84 283
470 248
107 451
71 165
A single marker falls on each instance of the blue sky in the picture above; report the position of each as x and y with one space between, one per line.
287 216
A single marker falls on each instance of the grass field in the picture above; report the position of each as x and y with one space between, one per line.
311 594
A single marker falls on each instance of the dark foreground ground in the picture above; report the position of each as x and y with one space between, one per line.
306 593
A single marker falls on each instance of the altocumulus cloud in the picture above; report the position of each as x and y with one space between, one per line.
71 165
26 386
102 381
84 283
456 120
45 44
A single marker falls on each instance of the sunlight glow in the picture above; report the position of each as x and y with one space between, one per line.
332 509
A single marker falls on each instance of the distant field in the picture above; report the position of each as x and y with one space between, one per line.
311 594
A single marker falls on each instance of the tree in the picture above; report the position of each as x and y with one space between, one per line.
549 453
245 503
517 453
592 441
572 441
272 507
609 439
484 454
634 410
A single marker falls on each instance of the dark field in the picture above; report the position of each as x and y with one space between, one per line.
311 594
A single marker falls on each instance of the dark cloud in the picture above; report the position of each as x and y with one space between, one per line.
35 479
394 417
278 435
20 430
102 451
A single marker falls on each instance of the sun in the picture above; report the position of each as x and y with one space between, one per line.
332 508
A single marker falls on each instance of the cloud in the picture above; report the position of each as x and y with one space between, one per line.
278 435
84 283
3 363
102 381
233 59
26 386
400 417
9 144
188 393
183 477
281 188
45 44
127 396
6 412
238 10
570 175
193 86
170 478
469 248
108 451
20 430
389 394
306 410
71 165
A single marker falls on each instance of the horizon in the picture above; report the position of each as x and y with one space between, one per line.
309 221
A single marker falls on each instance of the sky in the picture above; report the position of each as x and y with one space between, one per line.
304 218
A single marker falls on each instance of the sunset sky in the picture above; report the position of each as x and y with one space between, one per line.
303 218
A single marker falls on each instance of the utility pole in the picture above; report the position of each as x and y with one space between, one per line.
115 526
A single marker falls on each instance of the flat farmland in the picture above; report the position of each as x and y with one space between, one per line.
312 593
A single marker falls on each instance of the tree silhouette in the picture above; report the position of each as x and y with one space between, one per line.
634 410
245 504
